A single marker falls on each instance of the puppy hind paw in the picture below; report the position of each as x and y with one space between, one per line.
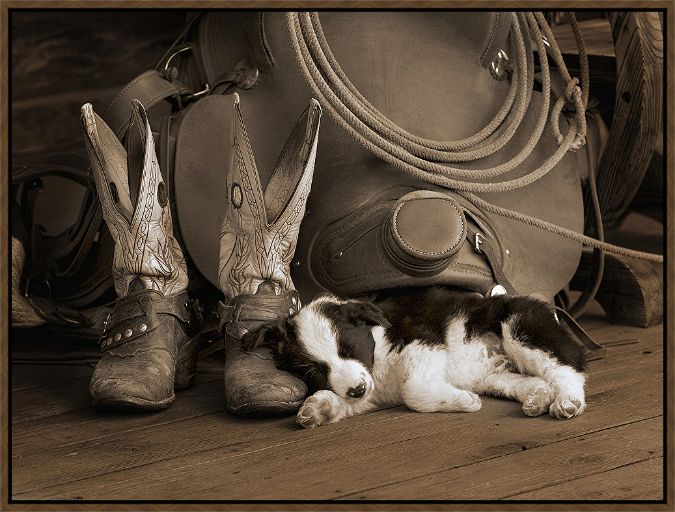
566 407
538 400
469 402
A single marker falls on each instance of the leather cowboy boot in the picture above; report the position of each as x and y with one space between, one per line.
257 243
148 340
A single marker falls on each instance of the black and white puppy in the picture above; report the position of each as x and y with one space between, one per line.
432 349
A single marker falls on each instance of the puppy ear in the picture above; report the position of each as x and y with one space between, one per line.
270 334
367 313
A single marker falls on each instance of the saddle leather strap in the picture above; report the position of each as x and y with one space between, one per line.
592 287
207 65
245 76
496 38
149 88
595 350
65 263
484 245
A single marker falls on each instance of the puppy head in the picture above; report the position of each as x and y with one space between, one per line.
328 344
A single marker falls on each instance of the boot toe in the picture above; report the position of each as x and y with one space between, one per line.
144 381
254 386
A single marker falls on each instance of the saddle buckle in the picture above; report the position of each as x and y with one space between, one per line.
478 240
500 66
105 323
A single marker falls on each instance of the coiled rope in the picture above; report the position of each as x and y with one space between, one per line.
428 159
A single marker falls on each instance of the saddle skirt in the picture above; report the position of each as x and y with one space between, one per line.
429 73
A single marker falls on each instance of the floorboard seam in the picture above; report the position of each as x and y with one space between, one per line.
660 456
496 457
198 463
28 387
90 441
70 411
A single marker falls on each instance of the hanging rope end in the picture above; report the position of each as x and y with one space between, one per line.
579 142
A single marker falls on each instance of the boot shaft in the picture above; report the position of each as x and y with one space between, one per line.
145 247
260 230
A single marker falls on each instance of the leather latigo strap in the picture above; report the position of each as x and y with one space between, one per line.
140 313
594 349
256 308
150 88
487 246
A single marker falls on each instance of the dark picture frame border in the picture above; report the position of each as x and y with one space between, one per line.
7 503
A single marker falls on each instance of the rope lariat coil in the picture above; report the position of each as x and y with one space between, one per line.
431 160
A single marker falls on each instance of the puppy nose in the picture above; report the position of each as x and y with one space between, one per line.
358 391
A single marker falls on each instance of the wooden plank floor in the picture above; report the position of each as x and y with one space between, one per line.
62 449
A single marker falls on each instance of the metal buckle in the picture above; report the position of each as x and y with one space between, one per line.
478 240
178 51
204 91
27 292
500 65
105 323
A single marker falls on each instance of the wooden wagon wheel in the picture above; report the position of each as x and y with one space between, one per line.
637 122
631 291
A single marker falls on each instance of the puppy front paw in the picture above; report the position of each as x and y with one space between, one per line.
319 409
567 407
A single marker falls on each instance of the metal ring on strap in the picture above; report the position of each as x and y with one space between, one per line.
184 48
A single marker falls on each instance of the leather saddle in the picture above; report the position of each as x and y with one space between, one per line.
368 226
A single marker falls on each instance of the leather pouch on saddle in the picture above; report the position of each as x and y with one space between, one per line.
429 236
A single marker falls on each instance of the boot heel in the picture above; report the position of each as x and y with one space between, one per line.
186 367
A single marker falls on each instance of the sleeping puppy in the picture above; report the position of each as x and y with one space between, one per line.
432 349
